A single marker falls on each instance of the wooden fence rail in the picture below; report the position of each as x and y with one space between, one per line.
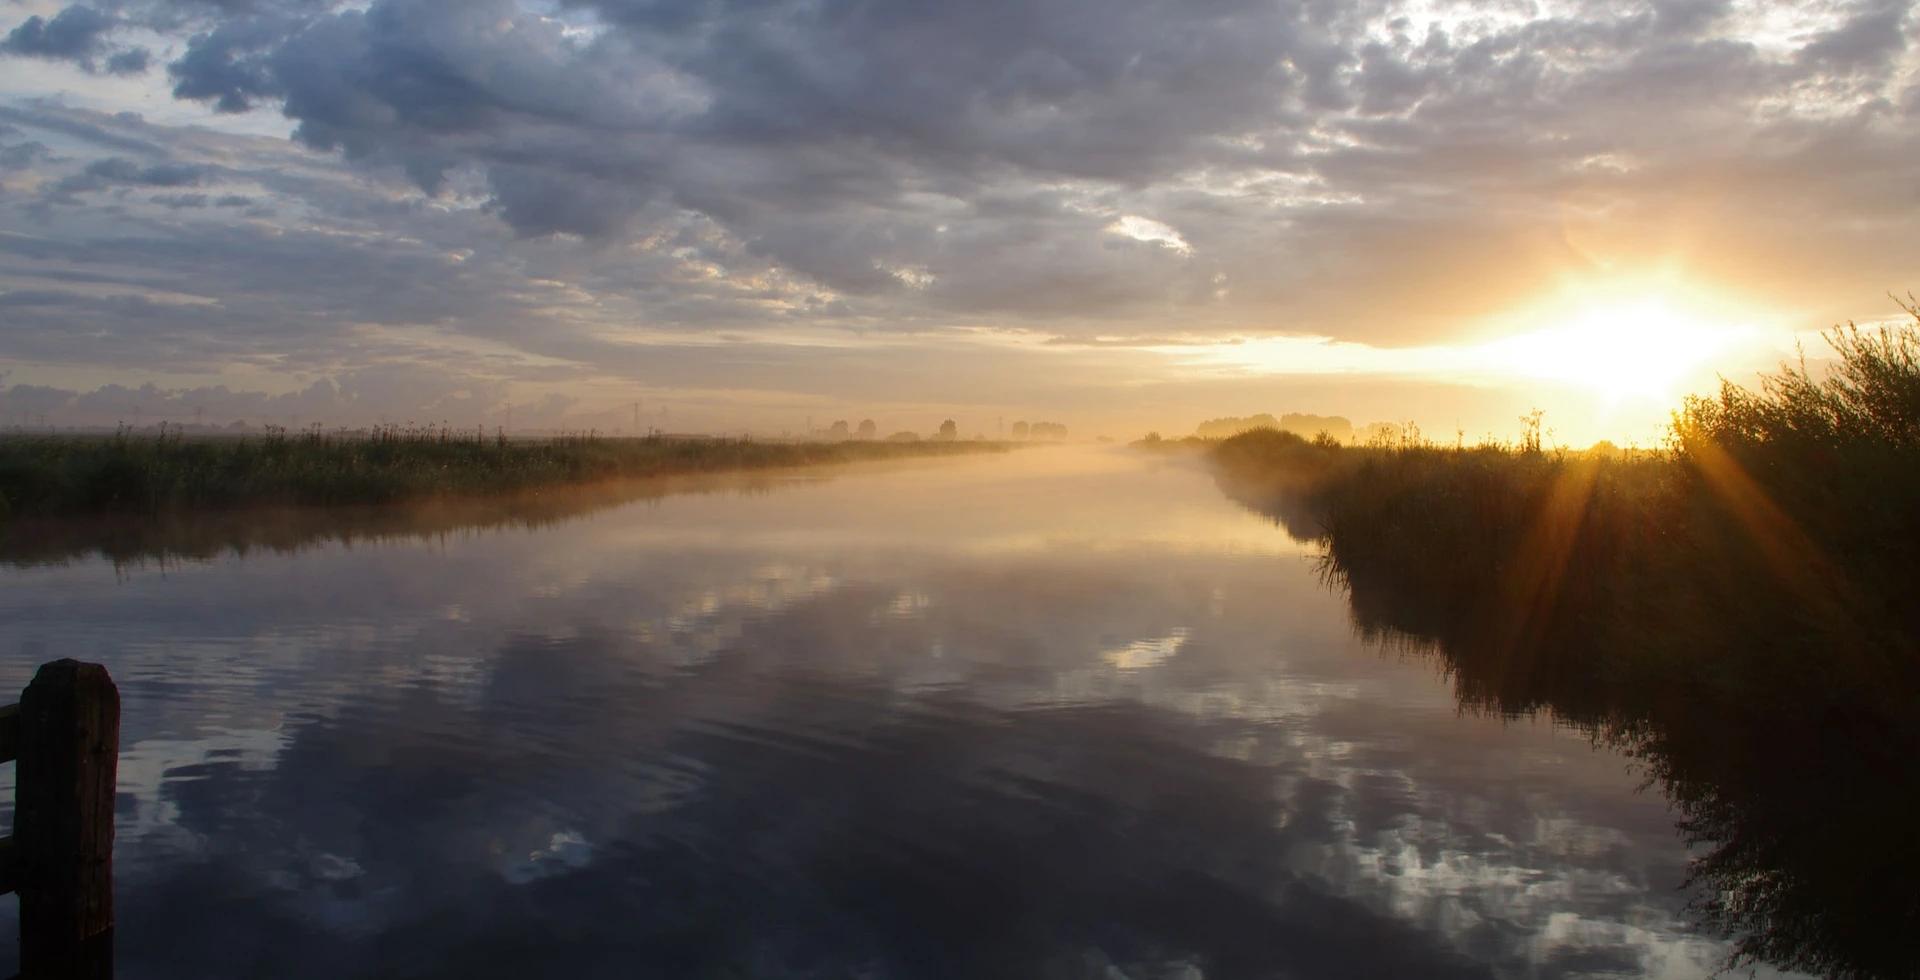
65 733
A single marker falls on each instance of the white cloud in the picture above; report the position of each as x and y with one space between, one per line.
1148 230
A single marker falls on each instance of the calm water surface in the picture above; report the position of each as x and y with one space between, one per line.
1066 714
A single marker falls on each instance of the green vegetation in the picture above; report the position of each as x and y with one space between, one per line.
1737 611
138 474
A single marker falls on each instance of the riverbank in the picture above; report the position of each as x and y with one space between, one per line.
1786 509
1735 610
59 475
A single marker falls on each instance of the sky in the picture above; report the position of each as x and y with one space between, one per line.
1120 215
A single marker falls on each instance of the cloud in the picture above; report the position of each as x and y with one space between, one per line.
130 62
394 393
829 138
1276 808
76 34
120 171
1869 41
226 64
619 174
73 33
1148 230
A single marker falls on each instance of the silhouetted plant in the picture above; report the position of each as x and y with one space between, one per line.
1737 612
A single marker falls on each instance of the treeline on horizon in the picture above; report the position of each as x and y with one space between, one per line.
948 431
138 474
1304 424
1738 610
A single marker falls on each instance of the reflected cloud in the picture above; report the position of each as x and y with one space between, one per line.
1728 698
1141 654
824 732
566 851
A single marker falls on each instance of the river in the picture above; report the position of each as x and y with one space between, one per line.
1070 713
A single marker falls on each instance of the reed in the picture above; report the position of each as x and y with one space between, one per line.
1735 610
128 473
1793 495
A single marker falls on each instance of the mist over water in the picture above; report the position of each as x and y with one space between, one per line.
1062 714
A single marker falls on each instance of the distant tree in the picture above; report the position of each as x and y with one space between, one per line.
1299 423
1048 430
948 431
1233 425
1308 426
838 430
904 437
1019 430
1153 437
867 429
1383 434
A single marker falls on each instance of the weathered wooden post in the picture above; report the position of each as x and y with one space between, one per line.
69 745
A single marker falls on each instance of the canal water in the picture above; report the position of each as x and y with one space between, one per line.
1065 713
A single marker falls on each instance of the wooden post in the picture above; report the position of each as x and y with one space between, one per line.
63 822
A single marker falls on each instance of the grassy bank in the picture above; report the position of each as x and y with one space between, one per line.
1738 611
1792 505
44 475
197 534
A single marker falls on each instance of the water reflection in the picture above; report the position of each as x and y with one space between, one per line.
1790 768
200 535
1072 716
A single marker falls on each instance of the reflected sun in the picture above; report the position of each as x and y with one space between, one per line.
1641 349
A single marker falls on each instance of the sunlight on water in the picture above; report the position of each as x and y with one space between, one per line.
1059 714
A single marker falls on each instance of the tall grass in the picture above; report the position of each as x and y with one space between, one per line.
1740 611
133 540
1798 495
149 474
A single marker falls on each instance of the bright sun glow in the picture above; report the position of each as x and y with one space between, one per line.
1641 349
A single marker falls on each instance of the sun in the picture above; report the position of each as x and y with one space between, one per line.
1644 348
